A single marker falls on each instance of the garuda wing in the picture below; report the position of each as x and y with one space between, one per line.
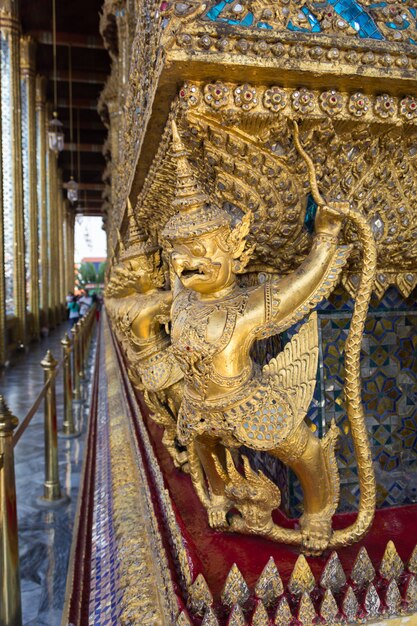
295 368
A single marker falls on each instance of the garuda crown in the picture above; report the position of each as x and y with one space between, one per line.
137 243
196 214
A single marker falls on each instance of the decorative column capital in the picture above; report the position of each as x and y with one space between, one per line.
27 55
9 15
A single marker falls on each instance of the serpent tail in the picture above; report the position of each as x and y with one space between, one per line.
354 407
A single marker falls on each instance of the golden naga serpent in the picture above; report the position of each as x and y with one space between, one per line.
354 407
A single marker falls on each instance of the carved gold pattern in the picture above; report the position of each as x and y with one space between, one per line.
329 608
372 601
363 572
235 590
210 618
302 579
306 612
391 564
283 613
411 594
333 577
237 617
199 595
238 187
269 586
412 563
143 564
350 605
393 598
260 616
183 620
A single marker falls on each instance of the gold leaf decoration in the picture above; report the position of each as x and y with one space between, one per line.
306 613
393 598
235 589
269 586
412 563
236 617
372 602
302 579
283 615
200 596
363 571
329 609
182 620
391 564
333 577
411 594
210 618
260 616
350 605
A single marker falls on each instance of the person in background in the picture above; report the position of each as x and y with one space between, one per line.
69 298
73 311
85 303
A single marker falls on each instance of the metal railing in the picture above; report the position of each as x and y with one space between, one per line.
10 597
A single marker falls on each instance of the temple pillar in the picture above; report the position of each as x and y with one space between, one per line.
67 254
30 199
42 195
12 175
69 261
52 184
61 251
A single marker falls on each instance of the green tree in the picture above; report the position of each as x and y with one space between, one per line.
101 274
88 276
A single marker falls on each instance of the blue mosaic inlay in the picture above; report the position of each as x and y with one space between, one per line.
310 216
369 22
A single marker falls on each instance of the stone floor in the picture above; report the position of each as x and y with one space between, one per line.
44 535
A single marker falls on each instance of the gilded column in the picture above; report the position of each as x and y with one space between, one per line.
30 199
61 252
69 247
12 166
51 186
41 158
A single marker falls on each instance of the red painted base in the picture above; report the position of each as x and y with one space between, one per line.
215 552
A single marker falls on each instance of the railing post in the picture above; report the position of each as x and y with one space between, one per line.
10 600
68 426
80 325
75 362
52 495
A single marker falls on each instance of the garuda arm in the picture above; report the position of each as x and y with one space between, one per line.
289 298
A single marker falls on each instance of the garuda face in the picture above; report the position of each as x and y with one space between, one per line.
204 264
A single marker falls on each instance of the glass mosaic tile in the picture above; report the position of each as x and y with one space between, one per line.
105 595
26 180
368 21
7 169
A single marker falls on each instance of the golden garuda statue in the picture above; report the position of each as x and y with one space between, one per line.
138 305
229 401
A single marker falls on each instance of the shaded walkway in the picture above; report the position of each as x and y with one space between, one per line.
44 536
